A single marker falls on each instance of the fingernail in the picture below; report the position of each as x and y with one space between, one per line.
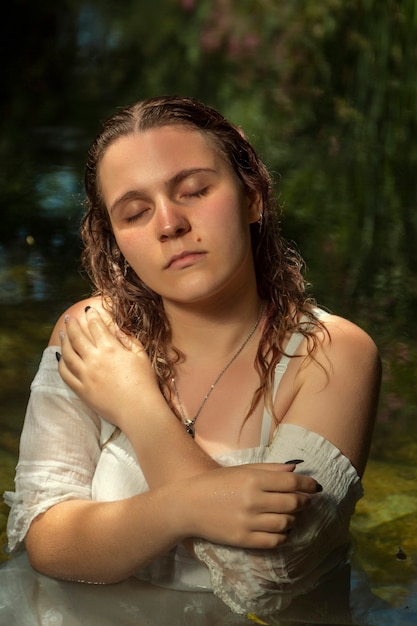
319 487
87 308
294 462
66 318
58 356
61 334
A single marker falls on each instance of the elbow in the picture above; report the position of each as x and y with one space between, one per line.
53 555
44 555
62 565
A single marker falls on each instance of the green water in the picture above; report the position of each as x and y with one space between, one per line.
384 526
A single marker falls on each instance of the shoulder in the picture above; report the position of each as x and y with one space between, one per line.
340 341
75 310
336 387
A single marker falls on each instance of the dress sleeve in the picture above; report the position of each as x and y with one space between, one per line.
264 581
59 450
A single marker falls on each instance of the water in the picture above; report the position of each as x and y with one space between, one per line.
32 295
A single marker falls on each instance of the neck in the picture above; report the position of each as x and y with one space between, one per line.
212 332
189 422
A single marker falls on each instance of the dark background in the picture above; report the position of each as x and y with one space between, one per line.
326 91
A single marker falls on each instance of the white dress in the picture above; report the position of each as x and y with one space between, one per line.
70 461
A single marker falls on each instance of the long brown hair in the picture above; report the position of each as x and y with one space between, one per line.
137 309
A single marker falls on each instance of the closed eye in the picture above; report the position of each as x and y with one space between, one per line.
198 194
135 216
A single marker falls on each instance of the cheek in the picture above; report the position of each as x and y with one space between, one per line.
135 249
237 229
229 214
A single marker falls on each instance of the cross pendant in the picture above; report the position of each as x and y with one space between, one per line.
189 427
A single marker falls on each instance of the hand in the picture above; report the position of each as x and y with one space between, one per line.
105 368
247 506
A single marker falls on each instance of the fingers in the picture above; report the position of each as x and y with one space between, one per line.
85 333
268 531
97 357
266 541
77 344
258 507
98 327
278 524
75 337
272 532
102 328
282 478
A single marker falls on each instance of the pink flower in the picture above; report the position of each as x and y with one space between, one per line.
187 5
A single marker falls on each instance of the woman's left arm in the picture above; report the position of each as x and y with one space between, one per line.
333 394
337 389
113 375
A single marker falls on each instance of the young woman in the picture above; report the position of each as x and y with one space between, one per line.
199 423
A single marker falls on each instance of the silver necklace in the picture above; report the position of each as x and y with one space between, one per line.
190 423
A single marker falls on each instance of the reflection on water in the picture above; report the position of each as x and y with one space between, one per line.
345 599
34 289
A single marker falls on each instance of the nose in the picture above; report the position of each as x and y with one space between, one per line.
171 222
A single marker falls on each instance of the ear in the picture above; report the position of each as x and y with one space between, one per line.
255 208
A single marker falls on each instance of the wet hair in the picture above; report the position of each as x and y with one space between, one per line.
136 308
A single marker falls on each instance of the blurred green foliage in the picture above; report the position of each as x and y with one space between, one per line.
325 90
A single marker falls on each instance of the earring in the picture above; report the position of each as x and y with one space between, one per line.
260 222
125 268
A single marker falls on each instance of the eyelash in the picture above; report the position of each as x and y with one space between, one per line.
135 217
199 193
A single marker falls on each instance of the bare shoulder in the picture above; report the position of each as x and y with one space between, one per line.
345 331
75 310
337 388
346 342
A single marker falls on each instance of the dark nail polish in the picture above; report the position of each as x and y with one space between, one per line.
294 462
87 308
58 356
319 487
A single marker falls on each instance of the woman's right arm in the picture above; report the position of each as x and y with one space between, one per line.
248 506
108 541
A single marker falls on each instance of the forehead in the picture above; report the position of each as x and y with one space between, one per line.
144 158
165 142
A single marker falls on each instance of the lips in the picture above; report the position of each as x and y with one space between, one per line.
184 259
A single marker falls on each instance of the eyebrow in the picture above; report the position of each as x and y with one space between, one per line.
138 194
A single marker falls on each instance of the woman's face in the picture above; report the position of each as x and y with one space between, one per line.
178 213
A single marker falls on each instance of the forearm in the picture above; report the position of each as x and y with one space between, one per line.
165 452
103 541
243 506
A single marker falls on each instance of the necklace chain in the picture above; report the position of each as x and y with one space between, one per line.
190 423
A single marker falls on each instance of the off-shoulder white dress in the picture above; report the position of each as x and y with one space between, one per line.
64 456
